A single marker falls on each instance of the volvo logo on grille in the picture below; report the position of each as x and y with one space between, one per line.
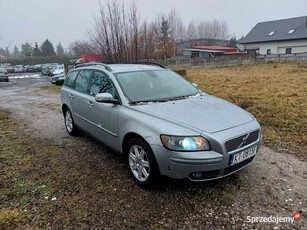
244 141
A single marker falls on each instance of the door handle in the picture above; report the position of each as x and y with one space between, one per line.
90 104
71 96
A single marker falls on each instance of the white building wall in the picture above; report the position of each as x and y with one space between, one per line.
298 46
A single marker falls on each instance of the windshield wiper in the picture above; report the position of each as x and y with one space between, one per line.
146 101
182 97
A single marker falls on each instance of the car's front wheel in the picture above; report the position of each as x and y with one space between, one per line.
141 162
69 123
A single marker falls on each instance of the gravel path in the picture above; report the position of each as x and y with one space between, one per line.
274 185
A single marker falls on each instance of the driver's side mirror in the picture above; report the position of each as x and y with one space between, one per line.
106 98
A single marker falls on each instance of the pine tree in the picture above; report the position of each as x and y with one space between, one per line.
59 49
16 53
36 51
47 48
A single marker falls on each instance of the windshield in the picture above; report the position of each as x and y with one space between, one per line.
154 85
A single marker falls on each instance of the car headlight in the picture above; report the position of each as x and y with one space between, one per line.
178 143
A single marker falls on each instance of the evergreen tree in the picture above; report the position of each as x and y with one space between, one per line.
16 53
59 49
26 49
232 42
7 52
36 51
47 48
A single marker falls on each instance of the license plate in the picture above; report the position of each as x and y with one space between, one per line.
241 156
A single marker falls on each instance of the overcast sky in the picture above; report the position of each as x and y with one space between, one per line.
69 20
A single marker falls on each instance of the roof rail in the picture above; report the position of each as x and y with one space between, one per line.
94 63
146 63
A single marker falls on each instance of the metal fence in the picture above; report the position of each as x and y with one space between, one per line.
223 61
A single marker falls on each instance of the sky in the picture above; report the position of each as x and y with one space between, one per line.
68 20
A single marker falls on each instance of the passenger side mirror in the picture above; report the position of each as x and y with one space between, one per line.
106 98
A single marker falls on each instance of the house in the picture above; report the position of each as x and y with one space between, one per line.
209 51
286 36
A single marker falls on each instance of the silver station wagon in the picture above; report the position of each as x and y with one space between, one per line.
160 122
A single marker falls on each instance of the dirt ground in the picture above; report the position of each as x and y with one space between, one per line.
57 181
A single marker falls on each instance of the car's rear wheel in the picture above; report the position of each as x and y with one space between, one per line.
69 123
141 162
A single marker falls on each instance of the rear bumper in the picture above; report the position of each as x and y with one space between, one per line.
199 166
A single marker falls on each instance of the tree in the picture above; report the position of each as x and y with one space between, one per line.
59 49
166 43
26 49
79 48
233 42
16 53
7 52
36 51
47 48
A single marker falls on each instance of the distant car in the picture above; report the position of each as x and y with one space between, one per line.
58 70
8 67
19 69
3 72
30 68
58 79
38 68
47 69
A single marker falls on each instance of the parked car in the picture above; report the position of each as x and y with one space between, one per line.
3 72
8 67
160 122
58 79
19 69
38 68
58 70
48 68
30 68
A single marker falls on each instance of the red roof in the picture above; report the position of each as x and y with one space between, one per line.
227 53
230 49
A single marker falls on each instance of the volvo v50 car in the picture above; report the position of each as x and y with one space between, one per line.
160 122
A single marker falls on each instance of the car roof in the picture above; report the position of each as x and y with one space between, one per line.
119 68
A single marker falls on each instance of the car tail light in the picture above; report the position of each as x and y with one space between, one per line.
5 73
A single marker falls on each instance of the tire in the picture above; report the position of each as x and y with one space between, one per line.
69 123
141 163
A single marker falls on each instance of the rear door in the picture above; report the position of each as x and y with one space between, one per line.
80 102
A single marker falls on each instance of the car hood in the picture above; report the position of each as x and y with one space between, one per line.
207 113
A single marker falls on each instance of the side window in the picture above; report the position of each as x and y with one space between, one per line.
82 80
70 79
101 83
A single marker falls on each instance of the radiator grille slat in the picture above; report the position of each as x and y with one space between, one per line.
236 142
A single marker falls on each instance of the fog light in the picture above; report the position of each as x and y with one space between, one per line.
198 175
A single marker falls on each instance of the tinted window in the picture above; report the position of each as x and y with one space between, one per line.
102 84
70 79
82 81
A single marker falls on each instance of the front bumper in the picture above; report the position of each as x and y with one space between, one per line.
200 166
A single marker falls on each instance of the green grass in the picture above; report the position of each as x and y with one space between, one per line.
275 93
52 88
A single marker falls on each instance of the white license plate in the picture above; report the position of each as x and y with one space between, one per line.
241 156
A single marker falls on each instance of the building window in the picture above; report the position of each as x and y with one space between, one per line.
288 50
268 51
291 31
272 33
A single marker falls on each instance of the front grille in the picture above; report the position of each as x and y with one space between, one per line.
237 166
236 142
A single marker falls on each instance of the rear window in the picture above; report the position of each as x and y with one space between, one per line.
82 81
2 70
70 79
